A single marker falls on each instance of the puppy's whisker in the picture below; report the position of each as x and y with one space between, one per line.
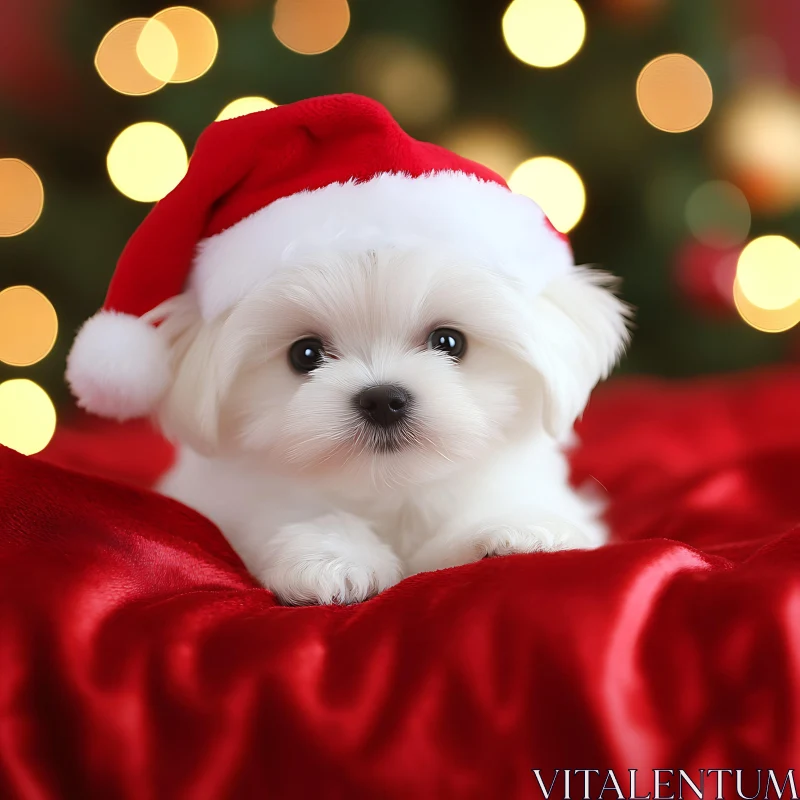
297 452
418 435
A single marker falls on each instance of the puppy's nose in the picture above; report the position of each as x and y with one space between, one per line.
384 405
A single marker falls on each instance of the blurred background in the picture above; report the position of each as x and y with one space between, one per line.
663 135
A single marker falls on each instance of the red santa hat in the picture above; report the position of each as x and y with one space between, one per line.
261 189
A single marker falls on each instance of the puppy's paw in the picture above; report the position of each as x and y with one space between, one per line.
334 559
541 533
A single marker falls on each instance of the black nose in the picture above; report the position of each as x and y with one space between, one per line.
384 405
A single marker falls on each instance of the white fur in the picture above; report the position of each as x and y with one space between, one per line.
289 472
119 366
335 558
505 230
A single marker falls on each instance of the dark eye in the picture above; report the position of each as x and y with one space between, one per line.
306 355
448 341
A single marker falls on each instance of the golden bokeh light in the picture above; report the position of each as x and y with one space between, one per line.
140 55
311 27
27 416
244 105
196 42
21 197
758 142
555 186
410 80
147 161
544 33
718 214
768 272
493 144
674 93
157 50
28 326
117 61
764 319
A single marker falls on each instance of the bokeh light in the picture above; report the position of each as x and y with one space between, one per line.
758 144
196 40
21 197
768 272
674 93
147 161
311 27
28 326
27 416
718 214
544 33
117 61
410 80
767 320
157 50
555 186
244 105
140 55
493 144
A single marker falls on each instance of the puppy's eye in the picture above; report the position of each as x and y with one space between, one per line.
306 355
448 341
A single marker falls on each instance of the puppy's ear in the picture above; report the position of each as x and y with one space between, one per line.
191 408
580 329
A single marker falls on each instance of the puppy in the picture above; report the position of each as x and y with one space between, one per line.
369 414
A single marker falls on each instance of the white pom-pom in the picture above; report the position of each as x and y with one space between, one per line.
119 366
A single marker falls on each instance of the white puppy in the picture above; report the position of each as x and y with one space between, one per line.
368 415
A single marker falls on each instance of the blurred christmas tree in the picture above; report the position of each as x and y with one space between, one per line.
667 211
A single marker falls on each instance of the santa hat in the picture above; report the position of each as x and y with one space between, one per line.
328 172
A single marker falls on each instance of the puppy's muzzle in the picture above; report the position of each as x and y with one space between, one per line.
384 405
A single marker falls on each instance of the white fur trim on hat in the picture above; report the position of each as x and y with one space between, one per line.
119 366
507 231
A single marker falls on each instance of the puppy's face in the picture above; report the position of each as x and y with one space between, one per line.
378 369
381 366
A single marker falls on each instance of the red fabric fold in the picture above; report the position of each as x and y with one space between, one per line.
138 659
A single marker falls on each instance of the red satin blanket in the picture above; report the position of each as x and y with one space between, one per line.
139 660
